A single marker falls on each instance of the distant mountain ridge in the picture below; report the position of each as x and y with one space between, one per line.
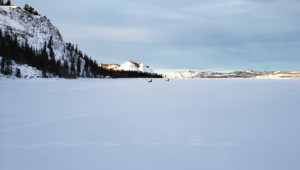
188 74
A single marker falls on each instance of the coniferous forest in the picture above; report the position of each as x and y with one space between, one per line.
11 50
44 59
8 2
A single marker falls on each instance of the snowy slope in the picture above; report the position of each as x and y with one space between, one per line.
144 68
128 66
35 29
26 71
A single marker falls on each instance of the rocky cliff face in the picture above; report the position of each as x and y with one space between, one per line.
35 29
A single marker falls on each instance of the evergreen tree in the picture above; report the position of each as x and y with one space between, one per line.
76 49
50 43
52 57
31 10
26 7
1 42
6 57
44 62
65 70
8 3
58 68
44 72
2 65
72 66
35 12
78 66
6 34
18 74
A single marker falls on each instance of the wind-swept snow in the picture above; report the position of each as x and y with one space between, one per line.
130 124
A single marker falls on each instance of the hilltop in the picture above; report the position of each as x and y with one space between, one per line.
128 66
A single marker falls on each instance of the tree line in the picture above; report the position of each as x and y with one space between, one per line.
69 66
30 9
26 7
7 3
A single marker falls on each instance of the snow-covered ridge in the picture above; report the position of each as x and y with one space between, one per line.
188 74
35 29
128 66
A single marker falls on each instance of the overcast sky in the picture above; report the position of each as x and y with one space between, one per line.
216 35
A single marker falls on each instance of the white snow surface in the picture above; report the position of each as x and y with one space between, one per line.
209 124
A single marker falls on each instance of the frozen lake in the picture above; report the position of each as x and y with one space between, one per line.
130 124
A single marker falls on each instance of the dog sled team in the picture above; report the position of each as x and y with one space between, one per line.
151 80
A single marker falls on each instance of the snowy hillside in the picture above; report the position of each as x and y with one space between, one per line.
128 66
236 74
34 32
26 71
35 29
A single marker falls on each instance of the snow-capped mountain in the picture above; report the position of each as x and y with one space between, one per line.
188 74
128 66
35 29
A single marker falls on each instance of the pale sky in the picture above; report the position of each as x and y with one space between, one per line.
215 35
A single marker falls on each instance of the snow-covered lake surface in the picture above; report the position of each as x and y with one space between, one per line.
130 124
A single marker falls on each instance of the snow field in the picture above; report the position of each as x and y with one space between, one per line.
132 124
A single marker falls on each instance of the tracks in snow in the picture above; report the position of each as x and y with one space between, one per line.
183 138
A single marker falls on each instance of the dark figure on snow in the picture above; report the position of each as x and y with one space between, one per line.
150 81
168 80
